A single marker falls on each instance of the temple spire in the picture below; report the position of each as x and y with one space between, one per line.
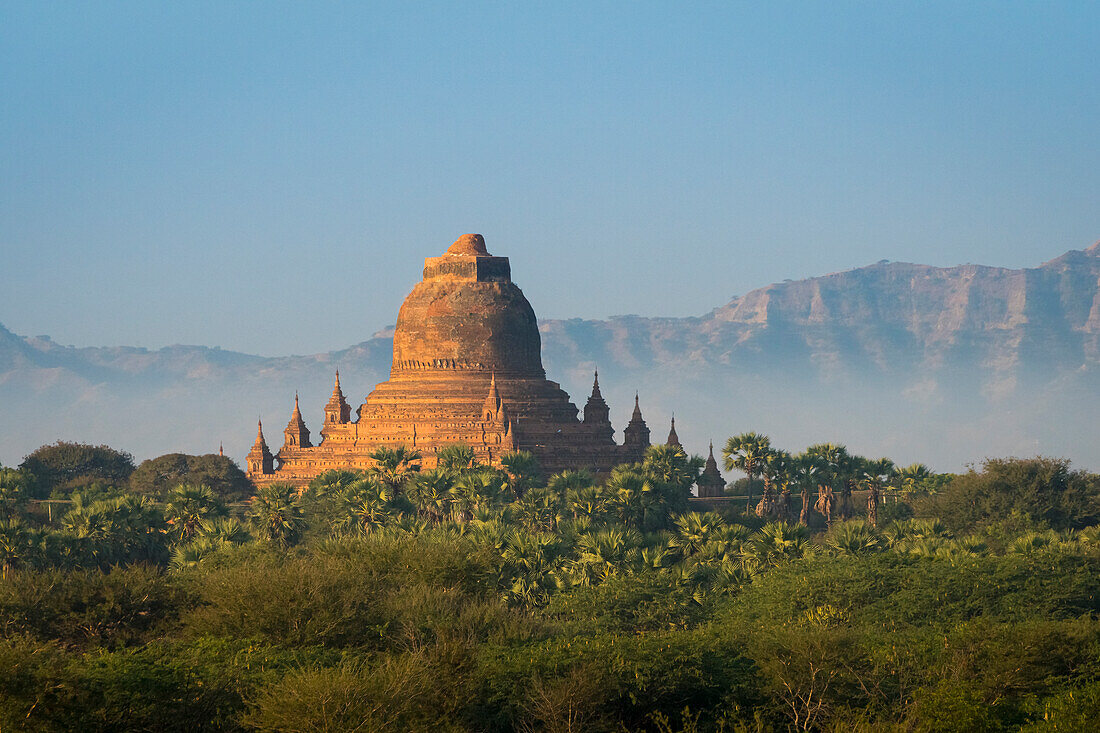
259 459
296 434
597 414
673 439
493 403
337 410
710 482
636 433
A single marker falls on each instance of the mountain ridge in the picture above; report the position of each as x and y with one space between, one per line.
927 340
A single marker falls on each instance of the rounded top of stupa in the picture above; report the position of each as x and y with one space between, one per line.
469 244
467 315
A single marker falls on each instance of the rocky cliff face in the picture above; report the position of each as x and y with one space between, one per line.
941 365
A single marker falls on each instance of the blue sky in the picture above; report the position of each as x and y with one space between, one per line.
268 177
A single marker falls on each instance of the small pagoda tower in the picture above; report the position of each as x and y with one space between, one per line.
259 459
597 414
337 410
636 433
710 482
296 434
493 407
673 438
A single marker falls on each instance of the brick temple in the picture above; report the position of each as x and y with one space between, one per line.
467 368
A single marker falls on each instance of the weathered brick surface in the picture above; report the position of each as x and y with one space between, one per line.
467 368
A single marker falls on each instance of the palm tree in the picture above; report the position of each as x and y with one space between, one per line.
473 490
538 510
393 466
588 502
430 493
875 475
13 492
670 464
806 467
457 457
693 530
910 478
529 563
777 542
855 538
365 506
566 481
775 468
522 469
332 482
747 452
276 515
223 531
15 544
188 506
603 554
832 461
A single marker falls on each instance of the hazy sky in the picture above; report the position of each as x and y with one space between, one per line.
268 177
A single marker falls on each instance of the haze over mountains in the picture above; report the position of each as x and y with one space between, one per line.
938 365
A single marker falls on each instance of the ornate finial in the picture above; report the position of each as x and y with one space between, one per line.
221 449
596 387
337 379
712 449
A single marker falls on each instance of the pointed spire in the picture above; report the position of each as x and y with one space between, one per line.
259 459
636 433
673 439
221 449
596 386
710 482
491 408
296 434
337 410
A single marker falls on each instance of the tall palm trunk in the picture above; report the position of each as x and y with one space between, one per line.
804 515
825 501
784 505
872 505
748 499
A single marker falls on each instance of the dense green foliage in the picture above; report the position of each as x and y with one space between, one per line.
62 468
157 476
468 598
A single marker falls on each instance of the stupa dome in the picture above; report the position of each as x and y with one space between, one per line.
467 314
469 244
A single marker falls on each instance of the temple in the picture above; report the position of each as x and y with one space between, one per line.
710 482
467 368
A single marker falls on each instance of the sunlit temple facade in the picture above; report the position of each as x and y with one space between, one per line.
467 369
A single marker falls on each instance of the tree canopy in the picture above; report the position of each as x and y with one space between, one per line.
64 467
157 476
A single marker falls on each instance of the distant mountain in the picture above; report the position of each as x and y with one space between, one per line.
940 365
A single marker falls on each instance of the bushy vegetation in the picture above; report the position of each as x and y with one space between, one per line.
470 598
